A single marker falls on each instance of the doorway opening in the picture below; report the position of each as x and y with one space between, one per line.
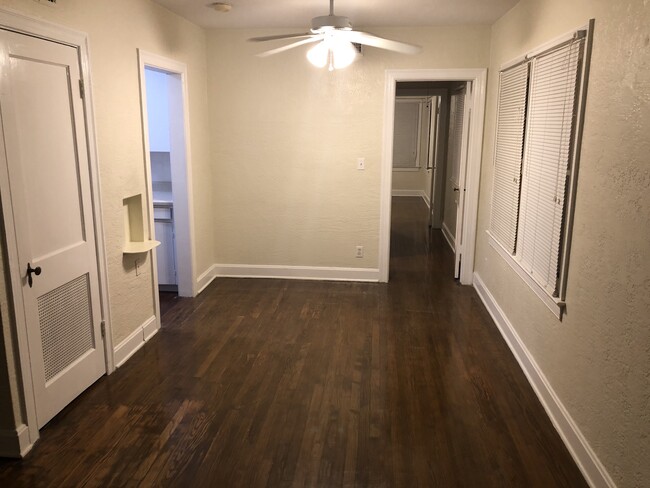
166 136
433 127
430 129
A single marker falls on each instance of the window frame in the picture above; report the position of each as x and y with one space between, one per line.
557 304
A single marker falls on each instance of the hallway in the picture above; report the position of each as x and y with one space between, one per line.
301 383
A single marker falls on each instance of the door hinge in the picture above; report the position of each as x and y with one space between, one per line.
82 89
103 329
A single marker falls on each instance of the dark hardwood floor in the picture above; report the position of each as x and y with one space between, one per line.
168 300
303 383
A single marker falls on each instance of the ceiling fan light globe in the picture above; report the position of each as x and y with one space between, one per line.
318 55
332 51
343 53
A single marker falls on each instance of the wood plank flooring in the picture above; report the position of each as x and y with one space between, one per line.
295 383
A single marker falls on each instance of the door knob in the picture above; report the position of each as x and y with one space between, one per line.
30 270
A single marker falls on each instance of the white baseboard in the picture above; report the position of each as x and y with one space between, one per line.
149 328
407 193
129 346
448 236
584 456
14 443
425 197
296 272
206 278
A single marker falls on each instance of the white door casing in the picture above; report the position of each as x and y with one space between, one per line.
46 156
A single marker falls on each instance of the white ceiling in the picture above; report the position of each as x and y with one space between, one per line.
362 13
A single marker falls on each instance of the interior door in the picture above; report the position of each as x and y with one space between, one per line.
434 124
460 173
46 157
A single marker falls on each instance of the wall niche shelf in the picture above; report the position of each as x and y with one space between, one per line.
139 247
134 241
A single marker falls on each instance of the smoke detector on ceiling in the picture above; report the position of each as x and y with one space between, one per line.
220 7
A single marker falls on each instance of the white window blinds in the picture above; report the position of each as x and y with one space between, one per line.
547 156
535 154
513 91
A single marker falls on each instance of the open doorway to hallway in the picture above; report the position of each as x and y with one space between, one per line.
430 139
469 179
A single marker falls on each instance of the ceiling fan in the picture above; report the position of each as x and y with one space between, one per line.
335 39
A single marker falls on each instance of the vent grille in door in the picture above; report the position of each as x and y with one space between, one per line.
66 325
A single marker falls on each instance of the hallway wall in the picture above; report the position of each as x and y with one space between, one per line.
596 358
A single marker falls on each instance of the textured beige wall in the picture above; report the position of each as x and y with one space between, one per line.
116 30
286 136
597 359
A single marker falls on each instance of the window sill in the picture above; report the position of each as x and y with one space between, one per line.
407 169
555 305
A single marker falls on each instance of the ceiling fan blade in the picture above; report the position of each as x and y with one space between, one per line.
280 36
372 40
291 46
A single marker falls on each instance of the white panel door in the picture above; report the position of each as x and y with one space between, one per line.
45 152
463 118
432 163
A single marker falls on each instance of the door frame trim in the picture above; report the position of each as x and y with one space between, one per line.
478 77
17 22
185 253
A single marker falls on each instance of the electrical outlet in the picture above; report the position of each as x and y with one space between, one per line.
359 253
361 163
